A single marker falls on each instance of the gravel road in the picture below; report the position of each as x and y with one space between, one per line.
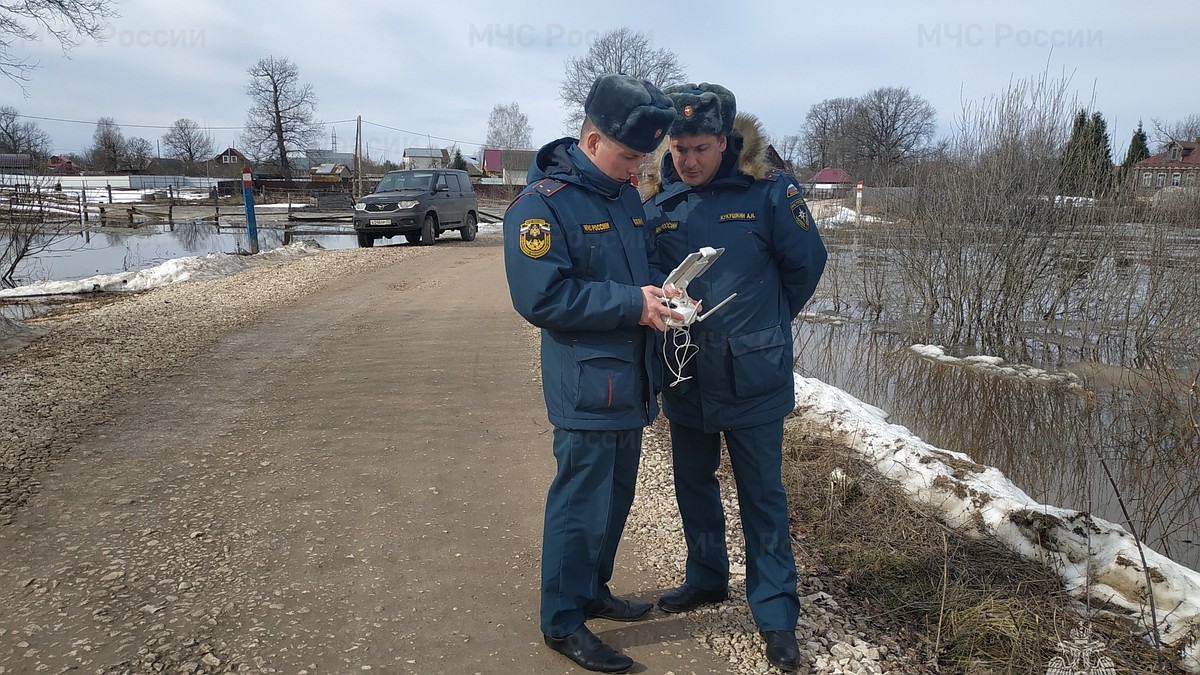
334 464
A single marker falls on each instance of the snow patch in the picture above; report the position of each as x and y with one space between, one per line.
843 215
994 365
169 272
981 501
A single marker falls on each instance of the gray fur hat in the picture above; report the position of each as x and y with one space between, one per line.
702 109
629 110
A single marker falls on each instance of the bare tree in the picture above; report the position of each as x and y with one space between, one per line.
67 21
138 153
1186 129
282 114
107 152
826 134
21 137
790 151
891 128
186 141
31 222
617 51
508 128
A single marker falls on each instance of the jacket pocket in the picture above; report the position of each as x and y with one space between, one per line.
608 380
760 362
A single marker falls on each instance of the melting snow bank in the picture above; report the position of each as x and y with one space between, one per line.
842 215
169 272
980 500
994 365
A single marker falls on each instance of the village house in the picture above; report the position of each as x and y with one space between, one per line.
63 166
829 181
506 167
426 158
1178 165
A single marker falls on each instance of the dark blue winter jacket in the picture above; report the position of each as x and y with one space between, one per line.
742 374
575 252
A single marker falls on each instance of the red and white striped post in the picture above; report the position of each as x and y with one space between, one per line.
858 202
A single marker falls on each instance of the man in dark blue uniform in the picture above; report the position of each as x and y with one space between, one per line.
575 252
717 190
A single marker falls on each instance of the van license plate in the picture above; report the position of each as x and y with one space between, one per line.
381 222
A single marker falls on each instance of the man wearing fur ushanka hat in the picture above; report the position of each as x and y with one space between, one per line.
713 188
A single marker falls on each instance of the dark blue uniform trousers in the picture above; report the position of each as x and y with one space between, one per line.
756 456
586 509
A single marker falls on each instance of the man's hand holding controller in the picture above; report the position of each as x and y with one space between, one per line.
686 308
656 311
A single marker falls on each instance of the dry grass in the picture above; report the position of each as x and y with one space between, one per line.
983 609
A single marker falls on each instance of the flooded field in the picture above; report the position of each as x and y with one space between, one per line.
1109 427
114 249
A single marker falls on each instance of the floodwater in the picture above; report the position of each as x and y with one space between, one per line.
114 250
1121 446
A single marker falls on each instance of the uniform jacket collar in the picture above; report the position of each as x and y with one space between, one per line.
564 160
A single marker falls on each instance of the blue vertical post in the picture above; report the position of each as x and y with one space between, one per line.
248 198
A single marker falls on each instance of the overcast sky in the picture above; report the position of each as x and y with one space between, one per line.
435 69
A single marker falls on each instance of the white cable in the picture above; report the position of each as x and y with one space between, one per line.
685 351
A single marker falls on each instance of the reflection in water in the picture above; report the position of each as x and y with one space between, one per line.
1048 440
115 250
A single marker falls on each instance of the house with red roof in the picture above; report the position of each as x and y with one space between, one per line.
1178 165
829 178
829 181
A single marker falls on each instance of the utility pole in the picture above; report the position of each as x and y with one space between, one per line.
358 158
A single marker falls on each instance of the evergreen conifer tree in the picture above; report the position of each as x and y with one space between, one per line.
1086 161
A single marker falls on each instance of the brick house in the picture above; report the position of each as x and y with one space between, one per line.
1178 165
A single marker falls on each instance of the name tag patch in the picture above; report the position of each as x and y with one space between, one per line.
597 227
668 225
737 215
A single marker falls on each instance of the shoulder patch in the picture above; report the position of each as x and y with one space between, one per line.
800 214
792 190
535 237
548 186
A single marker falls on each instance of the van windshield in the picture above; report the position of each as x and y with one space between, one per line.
405 180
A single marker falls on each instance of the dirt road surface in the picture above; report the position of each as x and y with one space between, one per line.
352 483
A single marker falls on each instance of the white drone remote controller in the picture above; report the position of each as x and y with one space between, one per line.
691 267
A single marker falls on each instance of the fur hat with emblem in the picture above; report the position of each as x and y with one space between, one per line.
629 110
702 109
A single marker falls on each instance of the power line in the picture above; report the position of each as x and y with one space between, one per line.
417 133
222 128
133 126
